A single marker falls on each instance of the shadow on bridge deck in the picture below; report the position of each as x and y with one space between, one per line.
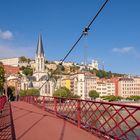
32 123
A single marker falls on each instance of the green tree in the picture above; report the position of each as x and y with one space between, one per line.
93 94
1 77
75 96
23 59
99 74
112 98
29 92
105 74
32 92
28 60
135 98
119 98
109 74
62 92
28 71
22 68
22 93
46 61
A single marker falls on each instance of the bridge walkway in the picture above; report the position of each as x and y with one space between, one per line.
32 123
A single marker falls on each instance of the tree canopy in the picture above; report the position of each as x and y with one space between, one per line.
24 59
1 77
93 94
29 92
62 92
135 98
105 74
27 71
112 98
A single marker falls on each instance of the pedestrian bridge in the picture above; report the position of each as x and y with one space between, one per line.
32 123
41 118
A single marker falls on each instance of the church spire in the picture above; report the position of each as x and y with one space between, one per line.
40 50
40 58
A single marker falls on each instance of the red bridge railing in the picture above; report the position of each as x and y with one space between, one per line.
110 120
7 131
2 102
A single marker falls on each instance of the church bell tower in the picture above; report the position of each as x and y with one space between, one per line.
40 57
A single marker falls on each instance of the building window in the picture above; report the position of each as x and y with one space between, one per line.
45 88
48 88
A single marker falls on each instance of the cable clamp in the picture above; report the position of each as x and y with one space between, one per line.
85 31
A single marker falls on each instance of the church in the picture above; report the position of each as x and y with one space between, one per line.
40 79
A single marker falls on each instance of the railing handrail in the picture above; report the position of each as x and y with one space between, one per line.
95 116
6 121
101 102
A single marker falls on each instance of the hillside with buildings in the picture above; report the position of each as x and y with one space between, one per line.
48 76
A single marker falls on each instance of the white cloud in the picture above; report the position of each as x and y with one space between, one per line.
6 34
10 51
124 50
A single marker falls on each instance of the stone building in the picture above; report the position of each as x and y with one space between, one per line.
40 78
82 83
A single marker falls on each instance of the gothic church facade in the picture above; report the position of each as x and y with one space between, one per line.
40 79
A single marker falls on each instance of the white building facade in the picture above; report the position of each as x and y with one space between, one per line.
82 83
10 61
94 65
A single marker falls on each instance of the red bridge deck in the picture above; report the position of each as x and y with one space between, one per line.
31 123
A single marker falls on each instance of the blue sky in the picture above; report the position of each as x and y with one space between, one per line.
114 38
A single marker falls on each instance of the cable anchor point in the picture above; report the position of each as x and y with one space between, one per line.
85 31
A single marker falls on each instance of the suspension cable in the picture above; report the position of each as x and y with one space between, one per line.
84 32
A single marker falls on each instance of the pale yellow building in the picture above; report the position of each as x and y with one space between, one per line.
129 86
105 88
66 83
